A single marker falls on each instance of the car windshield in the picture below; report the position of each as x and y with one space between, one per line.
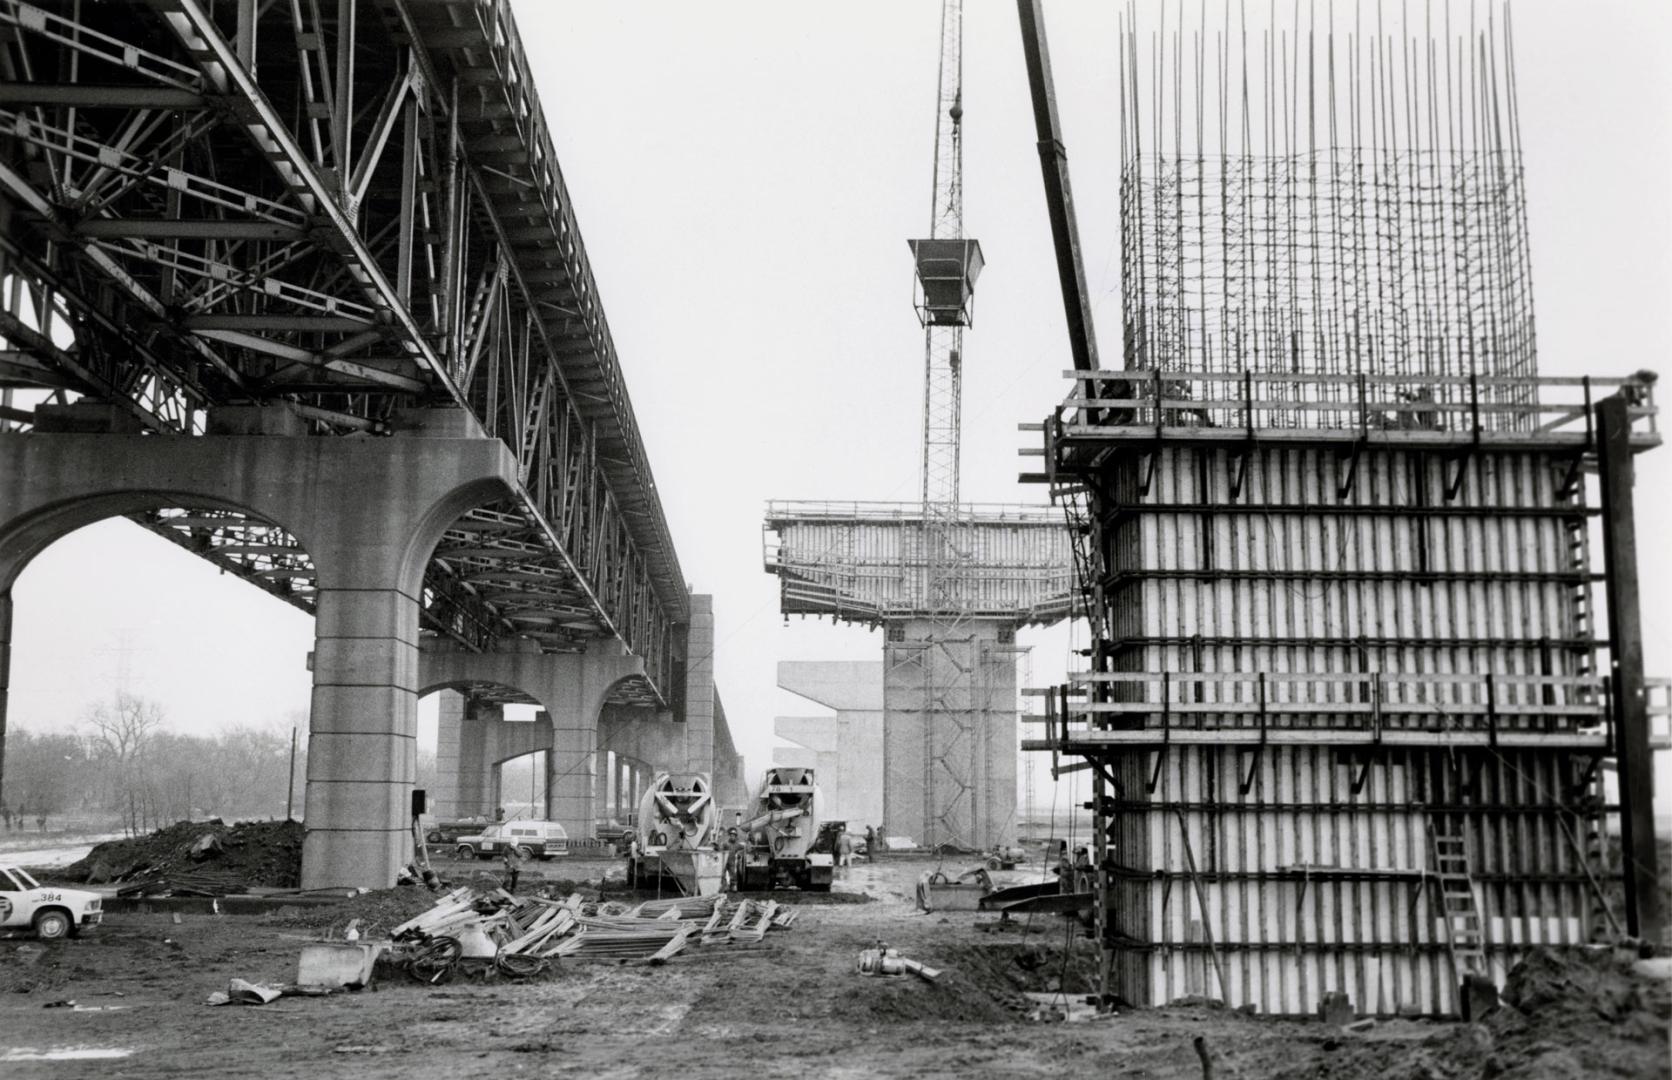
28 882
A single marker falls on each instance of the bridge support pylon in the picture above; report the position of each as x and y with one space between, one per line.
369 513
570 688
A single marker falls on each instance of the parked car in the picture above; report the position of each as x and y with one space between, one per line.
614 834
448 831
532 839
52 912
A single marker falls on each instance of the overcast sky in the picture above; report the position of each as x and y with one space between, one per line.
746 176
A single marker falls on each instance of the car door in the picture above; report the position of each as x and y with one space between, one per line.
14 908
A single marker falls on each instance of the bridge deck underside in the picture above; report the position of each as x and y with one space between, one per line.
351 214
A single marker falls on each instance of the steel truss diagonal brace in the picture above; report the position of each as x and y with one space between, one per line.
221 66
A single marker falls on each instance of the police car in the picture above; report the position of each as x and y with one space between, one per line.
52 912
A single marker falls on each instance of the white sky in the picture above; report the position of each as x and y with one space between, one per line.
746 176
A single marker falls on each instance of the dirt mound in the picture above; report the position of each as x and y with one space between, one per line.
1027 967
1568 1013
379 911
266 853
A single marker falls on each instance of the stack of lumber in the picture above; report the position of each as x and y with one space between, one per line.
682 907
652 931
652 940
529 926
156 882
751 920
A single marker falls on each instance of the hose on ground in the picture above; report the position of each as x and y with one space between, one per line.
434 961
517 966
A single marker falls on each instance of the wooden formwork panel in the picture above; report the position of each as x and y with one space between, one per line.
1002 565
1301 571
1312 886
1314 864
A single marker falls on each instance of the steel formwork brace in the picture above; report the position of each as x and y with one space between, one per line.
1645 916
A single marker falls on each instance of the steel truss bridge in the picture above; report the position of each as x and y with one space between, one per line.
349 210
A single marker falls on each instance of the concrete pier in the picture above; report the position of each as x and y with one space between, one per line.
369 513
846 750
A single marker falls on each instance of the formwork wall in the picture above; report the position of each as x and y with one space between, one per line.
870 563
1311 887
1319 584
1323 563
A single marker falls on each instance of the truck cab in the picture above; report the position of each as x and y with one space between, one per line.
532 839
777 847
50 911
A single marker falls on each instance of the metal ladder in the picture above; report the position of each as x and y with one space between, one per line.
1579 592
1464 939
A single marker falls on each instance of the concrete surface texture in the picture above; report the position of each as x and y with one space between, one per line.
368 512
583 731
845 750
950 735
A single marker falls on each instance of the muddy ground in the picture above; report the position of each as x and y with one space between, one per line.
790 1006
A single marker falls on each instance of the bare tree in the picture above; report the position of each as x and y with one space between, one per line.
120 735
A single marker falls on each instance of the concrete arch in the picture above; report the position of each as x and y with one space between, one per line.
570 688
361 507
23 539
369 512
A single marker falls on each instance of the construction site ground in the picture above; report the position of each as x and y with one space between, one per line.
792 1005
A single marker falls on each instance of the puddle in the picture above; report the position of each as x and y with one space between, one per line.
66 1053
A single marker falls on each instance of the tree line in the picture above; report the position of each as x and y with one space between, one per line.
124 766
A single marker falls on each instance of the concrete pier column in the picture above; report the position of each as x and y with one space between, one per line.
5 682
699 688
571 689
369 513
363 740
449 733
479 752
571 772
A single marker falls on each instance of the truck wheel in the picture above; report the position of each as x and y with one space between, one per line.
993 863
525 853
52 924
432 837
464 851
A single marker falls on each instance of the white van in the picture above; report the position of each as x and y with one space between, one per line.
532 839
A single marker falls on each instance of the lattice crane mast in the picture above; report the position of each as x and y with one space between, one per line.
947 266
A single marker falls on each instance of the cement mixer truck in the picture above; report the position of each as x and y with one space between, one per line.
773 849
676 837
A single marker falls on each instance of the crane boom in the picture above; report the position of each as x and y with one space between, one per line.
1059 196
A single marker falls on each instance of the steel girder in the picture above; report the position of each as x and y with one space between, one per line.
351 208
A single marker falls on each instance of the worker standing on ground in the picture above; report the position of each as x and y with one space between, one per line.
513 867
872 839
844 849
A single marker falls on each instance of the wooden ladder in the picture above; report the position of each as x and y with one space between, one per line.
1464 938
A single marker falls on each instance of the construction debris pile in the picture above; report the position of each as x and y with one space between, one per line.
520 937
1593 1012
196 858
